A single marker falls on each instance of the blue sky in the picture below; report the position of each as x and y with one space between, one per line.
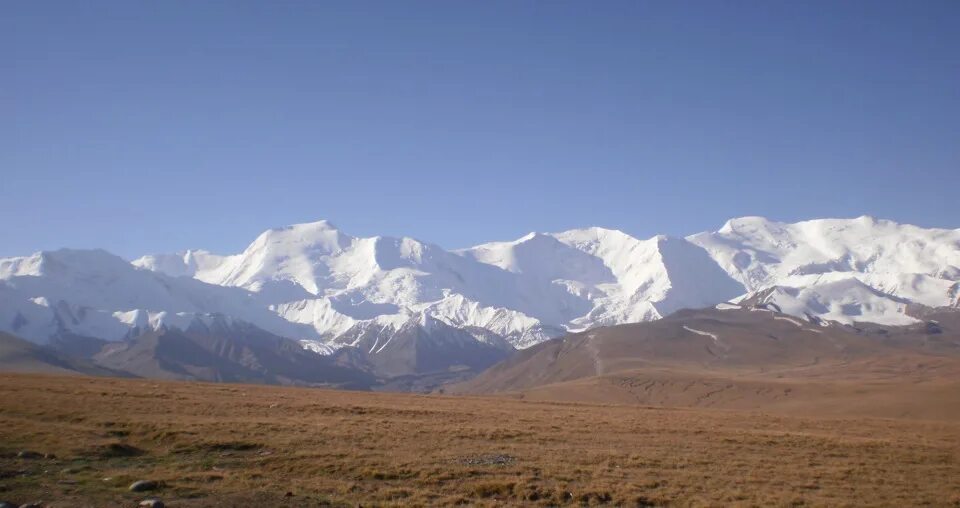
157 126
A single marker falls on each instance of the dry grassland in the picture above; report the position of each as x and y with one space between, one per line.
240 445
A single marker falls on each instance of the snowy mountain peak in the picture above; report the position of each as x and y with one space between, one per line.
758 251
182 264
592 235
747 223
311 237
62 261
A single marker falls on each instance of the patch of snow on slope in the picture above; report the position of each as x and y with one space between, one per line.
713 336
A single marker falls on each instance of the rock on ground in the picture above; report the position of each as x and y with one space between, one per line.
143 485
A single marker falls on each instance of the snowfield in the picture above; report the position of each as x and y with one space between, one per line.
316 284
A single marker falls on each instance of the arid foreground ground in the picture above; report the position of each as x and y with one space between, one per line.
239 445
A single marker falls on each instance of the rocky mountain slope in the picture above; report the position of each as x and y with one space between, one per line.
221 350
19 355
744 358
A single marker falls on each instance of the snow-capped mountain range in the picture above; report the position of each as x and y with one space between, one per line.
316 284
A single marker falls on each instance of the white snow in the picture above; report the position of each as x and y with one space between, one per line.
727 306
790 320
318 347
713 336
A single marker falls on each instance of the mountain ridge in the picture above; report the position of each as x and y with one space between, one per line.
314 283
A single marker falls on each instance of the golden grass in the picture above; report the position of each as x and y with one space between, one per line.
240 445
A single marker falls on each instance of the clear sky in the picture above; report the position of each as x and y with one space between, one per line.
155 126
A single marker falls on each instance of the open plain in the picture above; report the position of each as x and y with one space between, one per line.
245 445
